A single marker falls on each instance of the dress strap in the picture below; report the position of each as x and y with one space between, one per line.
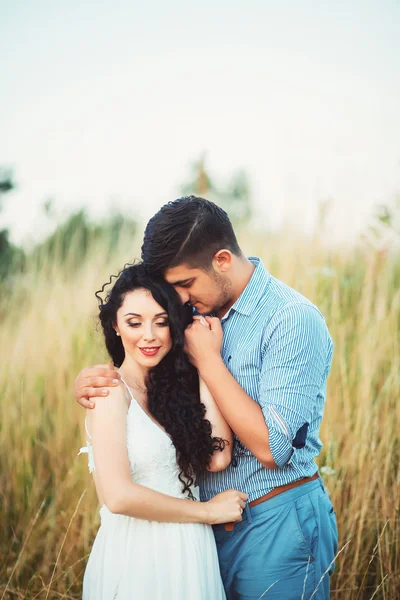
86 429
128 388
88 450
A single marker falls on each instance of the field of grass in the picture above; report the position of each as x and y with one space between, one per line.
48 332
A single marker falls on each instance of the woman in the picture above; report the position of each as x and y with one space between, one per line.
147 442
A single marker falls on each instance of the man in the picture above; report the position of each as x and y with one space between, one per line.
265 359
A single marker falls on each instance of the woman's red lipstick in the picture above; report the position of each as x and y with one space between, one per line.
150 350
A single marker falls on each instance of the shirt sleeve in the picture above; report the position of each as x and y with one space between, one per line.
295 367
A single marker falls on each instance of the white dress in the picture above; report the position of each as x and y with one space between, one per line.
134 559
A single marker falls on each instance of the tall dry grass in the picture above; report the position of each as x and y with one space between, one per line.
48 508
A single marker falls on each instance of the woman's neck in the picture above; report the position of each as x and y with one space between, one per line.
134 374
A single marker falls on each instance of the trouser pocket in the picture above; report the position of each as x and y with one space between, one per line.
306 526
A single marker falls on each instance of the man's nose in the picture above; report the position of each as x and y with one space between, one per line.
184 296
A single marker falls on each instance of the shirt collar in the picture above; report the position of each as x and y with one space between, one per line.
253 291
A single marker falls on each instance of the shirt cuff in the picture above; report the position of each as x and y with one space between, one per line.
281 448
280 442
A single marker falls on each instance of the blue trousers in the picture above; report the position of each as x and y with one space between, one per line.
284 548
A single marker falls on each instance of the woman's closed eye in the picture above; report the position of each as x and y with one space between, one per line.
160 324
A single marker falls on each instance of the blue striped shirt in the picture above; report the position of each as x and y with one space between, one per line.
277 346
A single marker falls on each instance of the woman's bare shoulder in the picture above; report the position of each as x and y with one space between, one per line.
116 401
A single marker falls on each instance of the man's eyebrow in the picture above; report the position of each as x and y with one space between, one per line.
182 281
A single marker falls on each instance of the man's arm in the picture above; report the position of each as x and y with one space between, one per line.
294 371
93 382
295 367
243 415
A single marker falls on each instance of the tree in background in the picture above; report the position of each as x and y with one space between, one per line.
69 243
77 235
389 214
10 255
234 197
6 181
383 234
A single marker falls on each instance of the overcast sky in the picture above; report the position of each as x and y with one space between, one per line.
111 102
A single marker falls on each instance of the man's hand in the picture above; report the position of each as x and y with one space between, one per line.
203 340
93 382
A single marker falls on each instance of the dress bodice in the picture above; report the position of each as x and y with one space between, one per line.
151 453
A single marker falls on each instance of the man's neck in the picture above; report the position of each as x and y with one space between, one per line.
241 276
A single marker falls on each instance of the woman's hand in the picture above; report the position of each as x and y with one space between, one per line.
92 382
226 507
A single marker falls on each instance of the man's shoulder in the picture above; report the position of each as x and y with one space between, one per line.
281 297
283 306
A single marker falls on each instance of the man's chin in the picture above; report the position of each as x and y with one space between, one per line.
203 310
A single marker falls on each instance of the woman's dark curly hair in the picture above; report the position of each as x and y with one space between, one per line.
173 384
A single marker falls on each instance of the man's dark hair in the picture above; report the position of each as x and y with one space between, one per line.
189 230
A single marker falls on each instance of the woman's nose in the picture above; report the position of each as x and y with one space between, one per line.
148 333
149 337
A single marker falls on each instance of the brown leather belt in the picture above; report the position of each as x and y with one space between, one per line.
275 492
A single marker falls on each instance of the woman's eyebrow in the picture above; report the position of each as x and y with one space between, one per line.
162 314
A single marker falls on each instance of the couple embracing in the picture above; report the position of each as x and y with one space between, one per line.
202 440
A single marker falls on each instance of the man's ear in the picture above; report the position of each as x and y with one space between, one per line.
222 261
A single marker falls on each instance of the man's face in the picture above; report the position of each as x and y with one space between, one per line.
207 291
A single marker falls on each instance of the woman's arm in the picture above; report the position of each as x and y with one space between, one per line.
220 428
107 424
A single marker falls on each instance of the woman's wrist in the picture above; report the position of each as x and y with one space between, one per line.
200 512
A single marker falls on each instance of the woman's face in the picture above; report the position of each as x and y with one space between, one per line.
144 329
